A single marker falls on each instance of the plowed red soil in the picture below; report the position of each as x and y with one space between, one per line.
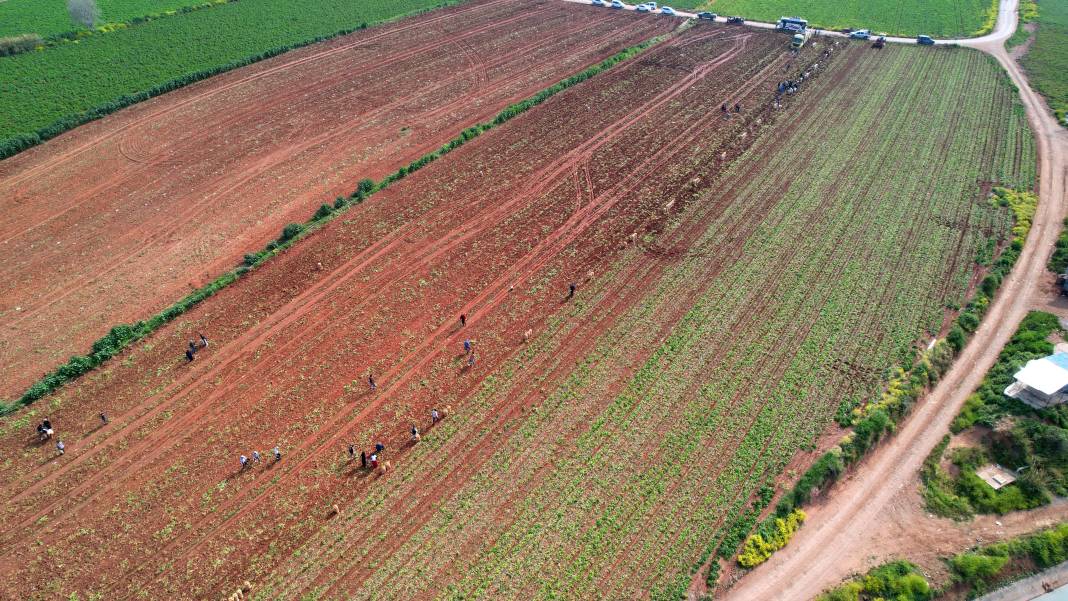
114 221
153 502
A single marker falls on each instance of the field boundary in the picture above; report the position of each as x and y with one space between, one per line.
122 336
9 147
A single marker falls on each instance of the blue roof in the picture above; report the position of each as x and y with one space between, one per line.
1059 359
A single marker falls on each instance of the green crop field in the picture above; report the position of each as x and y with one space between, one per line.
48 18
940 18
1046 61
39 88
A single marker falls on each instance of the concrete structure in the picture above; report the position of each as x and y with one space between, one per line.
1042 382
996 476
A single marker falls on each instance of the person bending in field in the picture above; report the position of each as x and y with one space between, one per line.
192 346
374 461
371 382
435 417
244 462
203 340
277 454
189 355
571 290
467 345
103 419
256 457
415 434
363 459
352 452
62 448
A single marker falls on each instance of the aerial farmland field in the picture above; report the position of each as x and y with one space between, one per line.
163 197
743 265
47 18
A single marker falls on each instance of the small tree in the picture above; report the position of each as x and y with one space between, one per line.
83 12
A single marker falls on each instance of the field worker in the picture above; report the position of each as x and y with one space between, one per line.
737 107
62 448
352 452
363 459
434 416
192 346
277 454
371 382
463 319
723 108
571 290
256 457
374 460
189 355
244 461
415 432
471 360
203 340
379 447
103 419
467 346
47 424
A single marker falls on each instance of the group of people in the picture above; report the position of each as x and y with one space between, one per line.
368 461
257 458
194 346
45 431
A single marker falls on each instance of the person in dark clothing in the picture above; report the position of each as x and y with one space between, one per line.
467 346
103 419
192 346
363 459
352 452
47 424
379 447
463 319
188 355
571 290
371 382
737 107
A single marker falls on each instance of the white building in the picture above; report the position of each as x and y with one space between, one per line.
1042 382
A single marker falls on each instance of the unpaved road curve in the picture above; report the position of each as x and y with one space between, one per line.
836 531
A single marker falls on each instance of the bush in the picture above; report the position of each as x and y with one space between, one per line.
19 43
339 202
956 338
897 580
759 547
976 570
324 211
290 231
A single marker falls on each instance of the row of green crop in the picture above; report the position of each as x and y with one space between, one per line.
874 420
971 573
122 336
1046 61
612 492
43 94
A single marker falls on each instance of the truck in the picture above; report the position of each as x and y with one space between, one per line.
798 40
794 24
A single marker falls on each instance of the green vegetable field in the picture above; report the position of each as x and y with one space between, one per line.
39 88
940 18
48 18
1046 61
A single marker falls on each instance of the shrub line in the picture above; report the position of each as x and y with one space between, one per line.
122 336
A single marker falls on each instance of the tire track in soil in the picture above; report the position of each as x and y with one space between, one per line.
377 527
386 244
548 247
306 299
422 23
674 144
196 209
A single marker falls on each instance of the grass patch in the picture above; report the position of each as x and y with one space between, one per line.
1046 62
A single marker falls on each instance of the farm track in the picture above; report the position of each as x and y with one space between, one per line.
200 205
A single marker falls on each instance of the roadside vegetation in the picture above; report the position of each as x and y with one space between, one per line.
47 93
941 18
1034 443
1046 61
972 573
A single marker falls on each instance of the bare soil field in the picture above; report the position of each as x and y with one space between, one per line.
114 221
732 272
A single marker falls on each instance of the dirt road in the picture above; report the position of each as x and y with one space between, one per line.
837 531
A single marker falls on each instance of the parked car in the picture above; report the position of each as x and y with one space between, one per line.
735 20
860 34
925 40
643 8
707 16
617 4
667 10
599 3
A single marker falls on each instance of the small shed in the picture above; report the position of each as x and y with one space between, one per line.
996 476
1042 382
